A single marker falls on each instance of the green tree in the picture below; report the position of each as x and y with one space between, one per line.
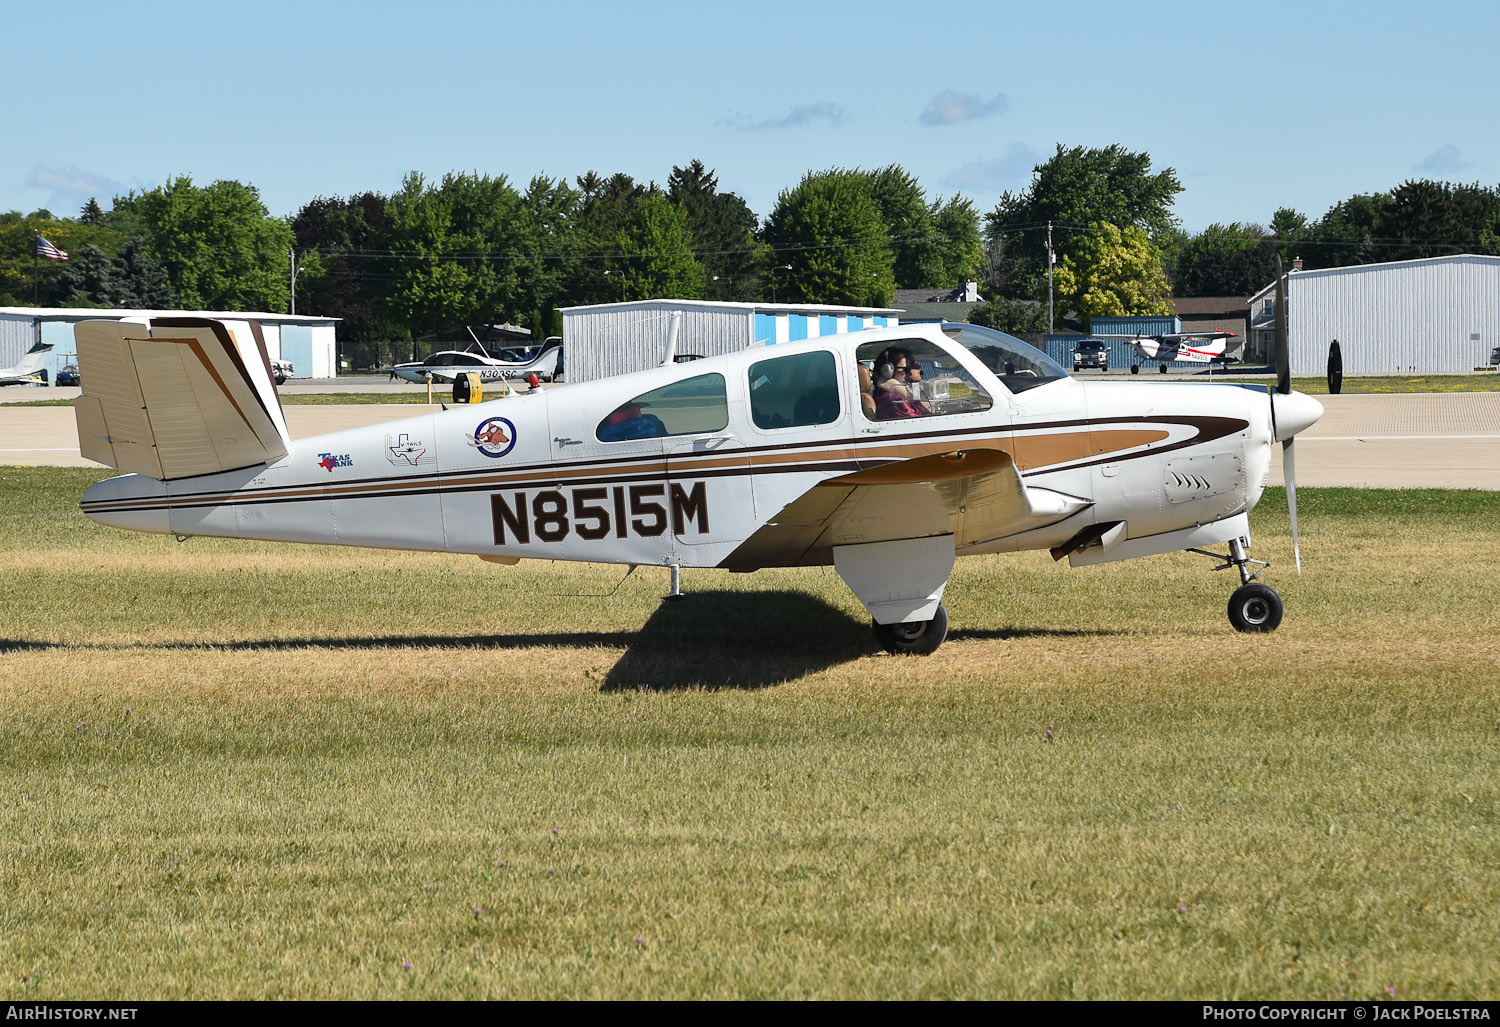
961 252
92 213
220 247
343 249
1224 260
830 231
90 279
142 281
1114 272
655 250
453 256
1018 317
1074 189
549 253
723 230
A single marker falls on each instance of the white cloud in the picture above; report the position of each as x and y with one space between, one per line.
825 112
1445 160
949 107
1012 171
69 188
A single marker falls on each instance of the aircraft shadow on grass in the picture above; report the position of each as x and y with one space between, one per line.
714 639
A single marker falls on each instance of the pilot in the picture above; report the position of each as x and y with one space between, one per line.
898 379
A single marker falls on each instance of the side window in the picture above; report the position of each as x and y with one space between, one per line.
914 378
689 407
794 391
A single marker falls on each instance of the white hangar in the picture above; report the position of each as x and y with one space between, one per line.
1436 315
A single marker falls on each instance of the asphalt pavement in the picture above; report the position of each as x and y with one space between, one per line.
1410 440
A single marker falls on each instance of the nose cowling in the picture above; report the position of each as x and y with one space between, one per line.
1295 412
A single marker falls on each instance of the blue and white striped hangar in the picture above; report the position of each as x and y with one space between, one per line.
616 338
1436 315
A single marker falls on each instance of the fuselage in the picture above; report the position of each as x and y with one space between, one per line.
680 464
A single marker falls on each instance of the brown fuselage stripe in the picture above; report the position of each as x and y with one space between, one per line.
1041 452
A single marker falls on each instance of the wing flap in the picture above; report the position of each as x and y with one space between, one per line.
975 495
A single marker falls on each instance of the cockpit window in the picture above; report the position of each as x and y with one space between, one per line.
914 378
692 406
1018 365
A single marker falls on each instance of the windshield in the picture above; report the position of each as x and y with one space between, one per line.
1018 365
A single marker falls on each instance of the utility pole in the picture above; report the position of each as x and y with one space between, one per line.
1051 259
292 256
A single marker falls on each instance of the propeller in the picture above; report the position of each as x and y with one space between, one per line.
1284 388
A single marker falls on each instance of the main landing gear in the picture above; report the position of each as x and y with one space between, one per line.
1253 606
915 638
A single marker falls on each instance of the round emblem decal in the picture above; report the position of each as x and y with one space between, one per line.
495 436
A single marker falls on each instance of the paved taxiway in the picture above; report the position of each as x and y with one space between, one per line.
1422 440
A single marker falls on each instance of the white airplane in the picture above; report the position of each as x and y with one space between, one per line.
774 456
1187 347
448 365
28 371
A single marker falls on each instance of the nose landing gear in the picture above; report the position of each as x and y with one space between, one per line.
1253 607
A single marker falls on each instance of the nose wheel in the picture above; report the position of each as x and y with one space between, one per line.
1253 607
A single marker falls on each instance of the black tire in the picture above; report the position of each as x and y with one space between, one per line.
281 379
1135 368
917 638
1255 607
1163 368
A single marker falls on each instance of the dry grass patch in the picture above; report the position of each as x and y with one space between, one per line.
241 770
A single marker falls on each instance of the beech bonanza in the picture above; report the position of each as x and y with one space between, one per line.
774 456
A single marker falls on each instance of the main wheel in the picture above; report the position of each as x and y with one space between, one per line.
1255 607
1135 368
1163 368
917 638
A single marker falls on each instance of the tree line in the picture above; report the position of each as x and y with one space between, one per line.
473 249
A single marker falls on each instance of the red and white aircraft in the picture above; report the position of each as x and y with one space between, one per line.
1187 348
775 456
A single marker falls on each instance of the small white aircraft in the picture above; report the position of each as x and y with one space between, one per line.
1187 347
816 452
448 365
29 370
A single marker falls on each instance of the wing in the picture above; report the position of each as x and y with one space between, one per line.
975 495
176 398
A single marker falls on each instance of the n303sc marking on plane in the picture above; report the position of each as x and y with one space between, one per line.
775 456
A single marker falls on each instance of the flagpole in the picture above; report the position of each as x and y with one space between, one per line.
35 271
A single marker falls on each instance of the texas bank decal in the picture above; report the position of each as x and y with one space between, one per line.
328 461
495 436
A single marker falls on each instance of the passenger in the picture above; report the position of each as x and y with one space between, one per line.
896 372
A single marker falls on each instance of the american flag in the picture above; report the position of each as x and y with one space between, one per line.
46 249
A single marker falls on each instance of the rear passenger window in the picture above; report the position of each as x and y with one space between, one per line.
689 407
794 391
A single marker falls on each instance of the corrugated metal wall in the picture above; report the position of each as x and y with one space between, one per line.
17 335
1409 317
610 339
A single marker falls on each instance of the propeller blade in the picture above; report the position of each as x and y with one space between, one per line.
1289 473
1283 355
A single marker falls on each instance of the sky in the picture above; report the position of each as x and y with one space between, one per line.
1256 107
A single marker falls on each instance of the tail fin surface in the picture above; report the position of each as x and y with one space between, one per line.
177 396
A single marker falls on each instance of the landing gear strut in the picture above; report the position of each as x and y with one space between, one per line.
1253 606
915 638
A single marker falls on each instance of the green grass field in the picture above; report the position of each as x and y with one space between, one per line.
240 770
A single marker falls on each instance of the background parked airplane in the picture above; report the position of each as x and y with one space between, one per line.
29 370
